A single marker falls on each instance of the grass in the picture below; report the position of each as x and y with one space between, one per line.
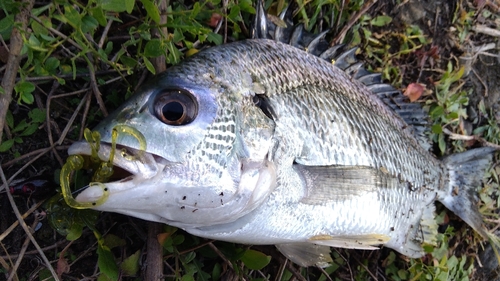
81 59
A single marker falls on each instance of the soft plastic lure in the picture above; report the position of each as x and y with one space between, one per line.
105 169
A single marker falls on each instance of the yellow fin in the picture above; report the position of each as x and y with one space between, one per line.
362 241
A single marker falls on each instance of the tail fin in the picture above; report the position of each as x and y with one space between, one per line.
466 171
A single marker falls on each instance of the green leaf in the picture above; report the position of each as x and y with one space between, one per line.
187 278
129 5
6 145
255 260
214 38
128 61
106 263
74 232
111 241
152 10
89 24
234 13
442 143
154 48
437 129
9 118
174 55
38 29
20 126
27 98
51 64
72 16
29 130
216 271
37 115
24 87
381 20
149 65
436 112
98 14
130 265
6 25
113 5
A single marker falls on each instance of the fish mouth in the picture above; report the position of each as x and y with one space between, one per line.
130 167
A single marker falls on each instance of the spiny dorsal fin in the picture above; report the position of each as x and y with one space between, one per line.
412 113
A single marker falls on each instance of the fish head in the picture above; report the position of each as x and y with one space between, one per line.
194 145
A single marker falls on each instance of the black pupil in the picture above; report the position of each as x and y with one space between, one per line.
173 111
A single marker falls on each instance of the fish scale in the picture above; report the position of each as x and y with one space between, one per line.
287 149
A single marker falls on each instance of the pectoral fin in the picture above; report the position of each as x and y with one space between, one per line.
335 183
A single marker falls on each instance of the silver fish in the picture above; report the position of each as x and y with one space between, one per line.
260 142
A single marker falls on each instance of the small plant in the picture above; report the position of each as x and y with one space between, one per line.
449 108
24 128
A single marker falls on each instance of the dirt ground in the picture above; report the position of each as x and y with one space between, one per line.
478 53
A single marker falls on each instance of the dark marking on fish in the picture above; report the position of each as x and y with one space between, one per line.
392 228
183 197
195 210
221 194
264 105
183 207
410 186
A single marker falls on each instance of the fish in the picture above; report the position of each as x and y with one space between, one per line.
282 140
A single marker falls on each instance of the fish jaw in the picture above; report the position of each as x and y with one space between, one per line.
153 192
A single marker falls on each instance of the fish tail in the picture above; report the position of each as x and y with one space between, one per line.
465 173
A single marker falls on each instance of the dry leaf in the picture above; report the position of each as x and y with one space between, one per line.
214 20
414 91
62 266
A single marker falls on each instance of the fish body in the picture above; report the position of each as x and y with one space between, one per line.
260 142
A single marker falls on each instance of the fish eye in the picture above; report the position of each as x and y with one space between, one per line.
175 107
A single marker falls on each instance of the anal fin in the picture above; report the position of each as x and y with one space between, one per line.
360 241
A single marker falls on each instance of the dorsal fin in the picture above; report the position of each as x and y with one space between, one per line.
412 113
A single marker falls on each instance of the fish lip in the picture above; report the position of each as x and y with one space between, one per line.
138 163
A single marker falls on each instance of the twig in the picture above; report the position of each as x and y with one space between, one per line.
58 33
482 82
93 85
468 138
340 36
154 266
161 32
16 223
70 122
326 273
25 227
486 30
16 43
104 34
154 258
21 253
223 257
86 110
55 85
31 153
32 252
366 268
